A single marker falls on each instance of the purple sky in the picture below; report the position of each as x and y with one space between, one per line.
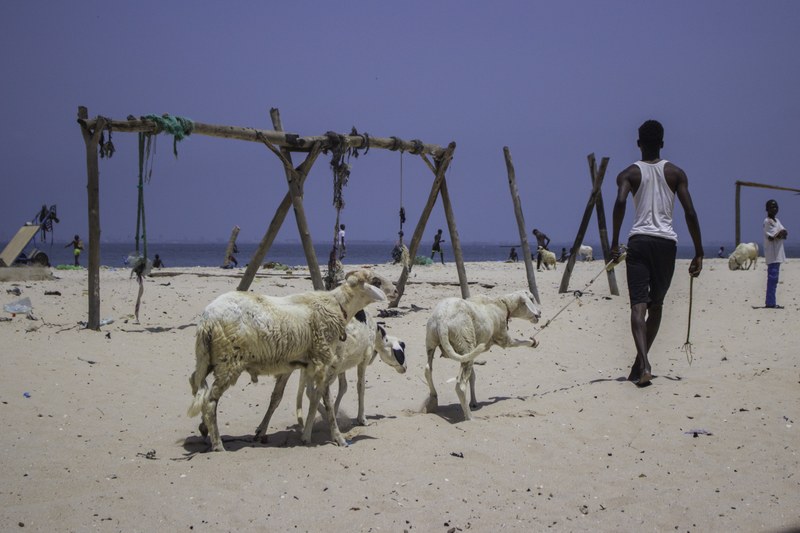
553 81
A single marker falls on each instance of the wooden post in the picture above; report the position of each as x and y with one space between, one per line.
92 139
231 246
601 220
441 167
738 236
587 215
454 240
523 234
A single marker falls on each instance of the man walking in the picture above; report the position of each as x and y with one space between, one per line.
652 242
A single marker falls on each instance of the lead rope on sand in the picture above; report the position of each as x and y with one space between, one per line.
578 293
687 346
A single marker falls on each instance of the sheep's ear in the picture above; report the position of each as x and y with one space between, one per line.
530 305
376 294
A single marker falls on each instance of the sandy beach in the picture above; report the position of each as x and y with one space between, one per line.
95 433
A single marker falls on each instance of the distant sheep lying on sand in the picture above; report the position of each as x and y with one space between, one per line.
744 256
268 335
464 329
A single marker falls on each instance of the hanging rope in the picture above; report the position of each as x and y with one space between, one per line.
687 346
340 166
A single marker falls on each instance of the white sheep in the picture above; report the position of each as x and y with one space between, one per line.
744 256
365 340
548 258
586 252
463 329
268 335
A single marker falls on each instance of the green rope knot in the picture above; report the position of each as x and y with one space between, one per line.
178 127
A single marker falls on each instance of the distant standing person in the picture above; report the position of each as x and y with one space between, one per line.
437 245
77 248
652 241
543 241
342 246
564 256
158 263
774 255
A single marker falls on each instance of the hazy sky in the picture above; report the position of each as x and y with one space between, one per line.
553 81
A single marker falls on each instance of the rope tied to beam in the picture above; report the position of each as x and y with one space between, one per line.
418 147
397 142
107 149
178 127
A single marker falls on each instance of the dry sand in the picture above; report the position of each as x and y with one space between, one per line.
95 436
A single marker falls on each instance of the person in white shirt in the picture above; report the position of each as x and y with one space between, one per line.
652 242
774 235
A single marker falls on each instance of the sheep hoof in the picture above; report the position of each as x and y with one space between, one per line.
534 343
218 448
361 422
431 405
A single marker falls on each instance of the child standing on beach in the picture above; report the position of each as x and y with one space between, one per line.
774 235
77 247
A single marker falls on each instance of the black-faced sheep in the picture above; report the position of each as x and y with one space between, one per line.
365 340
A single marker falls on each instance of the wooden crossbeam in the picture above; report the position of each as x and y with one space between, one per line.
281 139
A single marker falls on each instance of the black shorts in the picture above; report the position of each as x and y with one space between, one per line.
650 264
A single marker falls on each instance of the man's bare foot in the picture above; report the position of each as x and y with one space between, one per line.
636 372
645 379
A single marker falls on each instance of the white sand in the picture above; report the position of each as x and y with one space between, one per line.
560 439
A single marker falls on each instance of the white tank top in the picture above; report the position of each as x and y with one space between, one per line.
653 203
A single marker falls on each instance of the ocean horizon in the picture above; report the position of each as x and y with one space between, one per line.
212 254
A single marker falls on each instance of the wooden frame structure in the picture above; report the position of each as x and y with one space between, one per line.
595 201
739 185
283 145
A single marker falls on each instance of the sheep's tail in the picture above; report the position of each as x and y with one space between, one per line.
200 390
450 353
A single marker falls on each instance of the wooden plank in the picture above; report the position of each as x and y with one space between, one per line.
17 243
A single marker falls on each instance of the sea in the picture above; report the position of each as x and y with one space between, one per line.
183 254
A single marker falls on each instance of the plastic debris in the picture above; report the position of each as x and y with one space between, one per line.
23 306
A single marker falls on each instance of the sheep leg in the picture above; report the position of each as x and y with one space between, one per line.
340 392
210 413
274 402
461 389
361 386
333 424
473 403
432 403
314 393
298 406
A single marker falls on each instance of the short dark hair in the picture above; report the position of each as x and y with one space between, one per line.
771 201
651 133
